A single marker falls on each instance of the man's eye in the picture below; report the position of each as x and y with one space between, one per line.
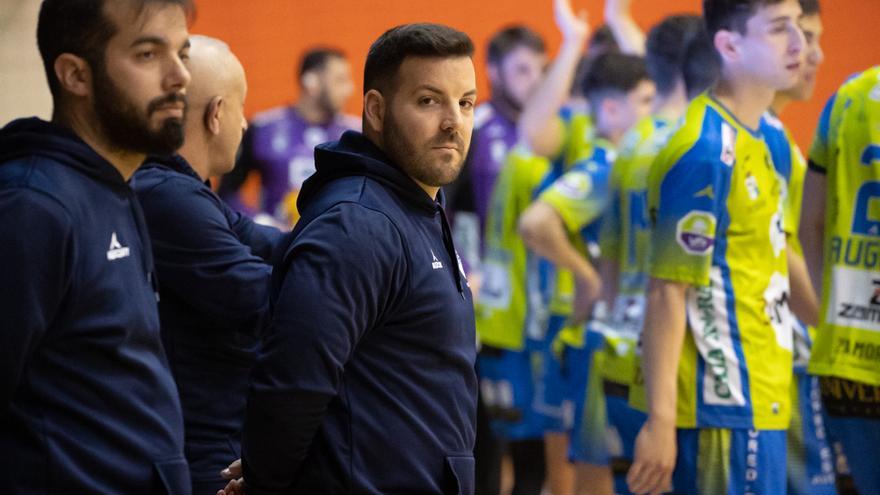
148 55
467 104
427 100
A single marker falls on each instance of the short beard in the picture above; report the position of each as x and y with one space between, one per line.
405 155
126 128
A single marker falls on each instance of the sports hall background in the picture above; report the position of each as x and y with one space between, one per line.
269 36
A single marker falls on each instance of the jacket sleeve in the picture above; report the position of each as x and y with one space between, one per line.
346 270
264 241
201 260
36 245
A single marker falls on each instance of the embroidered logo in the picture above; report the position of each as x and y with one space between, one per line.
117 250
435 264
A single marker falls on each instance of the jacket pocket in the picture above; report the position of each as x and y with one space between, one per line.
173 476
460 471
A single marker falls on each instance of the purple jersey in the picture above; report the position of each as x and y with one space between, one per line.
279 145
494 135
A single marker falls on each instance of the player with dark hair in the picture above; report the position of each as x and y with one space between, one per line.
564 219
366 380
87 401
279 145
717 347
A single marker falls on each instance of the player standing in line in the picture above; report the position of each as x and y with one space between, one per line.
280 142
840 247
717 353
624 248
516 61
810 457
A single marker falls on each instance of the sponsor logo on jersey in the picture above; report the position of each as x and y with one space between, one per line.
695 232
728 144
117 250
575 185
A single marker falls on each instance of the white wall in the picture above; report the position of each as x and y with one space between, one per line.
23 88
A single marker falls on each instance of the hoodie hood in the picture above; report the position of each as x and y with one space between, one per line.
354 154
36 137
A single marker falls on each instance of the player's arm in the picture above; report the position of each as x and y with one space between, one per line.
662 339
628 34
812 231
328 298
804 302
539 125
37 248
544 232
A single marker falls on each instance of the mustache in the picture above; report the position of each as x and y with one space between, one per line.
451 139
167 100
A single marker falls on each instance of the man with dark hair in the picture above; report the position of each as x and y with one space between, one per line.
717 347
279 145
516 62
366 381
87 402
620 93
212 265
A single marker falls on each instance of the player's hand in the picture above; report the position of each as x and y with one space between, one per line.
233 473
573 27
651 471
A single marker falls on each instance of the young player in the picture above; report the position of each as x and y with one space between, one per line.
717 346
810 457
279 144
620 93
839 238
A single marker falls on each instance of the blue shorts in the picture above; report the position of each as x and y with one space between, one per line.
552 400
810 456
721 461
853 420
605 425
507 387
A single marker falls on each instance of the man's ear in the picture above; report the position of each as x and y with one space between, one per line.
494 74
727 44
212 115
74 74
310 82
374 110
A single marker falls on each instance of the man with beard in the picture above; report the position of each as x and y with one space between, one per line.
211 264
279 146
87 402
366 380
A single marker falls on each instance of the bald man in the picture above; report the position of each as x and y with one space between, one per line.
211 263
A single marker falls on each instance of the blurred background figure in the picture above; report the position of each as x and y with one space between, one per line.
279 145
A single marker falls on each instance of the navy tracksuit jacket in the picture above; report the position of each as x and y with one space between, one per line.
366 381
87 402
214 302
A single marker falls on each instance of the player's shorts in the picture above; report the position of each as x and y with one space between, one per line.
853 420
605 425
552 398
721 461
810 456
507 385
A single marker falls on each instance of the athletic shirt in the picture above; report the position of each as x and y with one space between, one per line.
847 150
280 145
715 203
792 169
625 236
509 309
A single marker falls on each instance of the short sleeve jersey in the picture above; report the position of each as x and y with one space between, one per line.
716 206
847 150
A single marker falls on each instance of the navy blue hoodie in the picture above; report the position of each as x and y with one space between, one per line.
214 301
366 381
87 402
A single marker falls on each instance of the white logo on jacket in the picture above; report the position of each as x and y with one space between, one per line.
435 264
117 250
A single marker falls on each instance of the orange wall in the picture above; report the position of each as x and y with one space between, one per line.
269 35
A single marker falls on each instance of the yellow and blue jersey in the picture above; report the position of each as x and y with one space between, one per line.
716 206
512 304
847 150
580 134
